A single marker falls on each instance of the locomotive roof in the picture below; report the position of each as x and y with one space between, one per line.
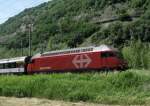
11 60
77 50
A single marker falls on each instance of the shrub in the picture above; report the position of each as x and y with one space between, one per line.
137 54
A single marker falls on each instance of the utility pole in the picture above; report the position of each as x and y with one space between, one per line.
21 47
30 26
29 39
42 46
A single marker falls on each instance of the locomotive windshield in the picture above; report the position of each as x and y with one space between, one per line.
107 54
111 54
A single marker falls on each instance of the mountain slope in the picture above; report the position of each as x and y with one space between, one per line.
70 23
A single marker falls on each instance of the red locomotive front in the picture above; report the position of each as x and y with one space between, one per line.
74 60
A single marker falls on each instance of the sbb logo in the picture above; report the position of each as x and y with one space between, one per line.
81 61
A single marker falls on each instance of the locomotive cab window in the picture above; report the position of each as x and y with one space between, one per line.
107 54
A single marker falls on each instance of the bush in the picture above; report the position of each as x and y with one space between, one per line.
138 3
137 54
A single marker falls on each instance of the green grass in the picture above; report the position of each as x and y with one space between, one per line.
129 87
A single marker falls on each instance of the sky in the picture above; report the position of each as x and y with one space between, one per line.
9 8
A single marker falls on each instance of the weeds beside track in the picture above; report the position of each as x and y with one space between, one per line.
129 87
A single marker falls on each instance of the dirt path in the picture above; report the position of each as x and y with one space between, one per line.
7 101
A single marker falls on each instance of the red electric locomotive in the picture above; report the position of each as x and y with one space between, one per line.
74 60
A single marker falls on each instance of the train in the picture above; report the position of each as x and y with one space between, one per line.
83 59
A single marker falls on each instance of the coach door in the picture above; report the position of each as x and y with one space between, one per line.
20 66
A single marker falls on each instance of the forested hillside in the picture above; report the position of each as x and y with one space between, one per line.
61 24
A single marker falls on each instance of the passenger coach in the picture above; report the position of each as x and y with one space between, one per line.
12 65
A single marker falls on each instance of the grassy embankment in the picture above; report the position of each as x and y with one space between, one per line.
130 87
